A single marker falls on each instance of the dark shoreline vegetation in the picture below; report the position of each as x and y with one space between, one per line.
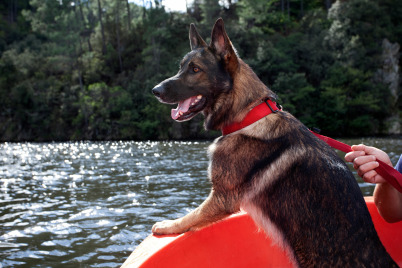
84 69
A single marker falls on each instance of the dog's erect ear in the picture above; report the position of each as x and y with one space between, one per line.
222 46
196 40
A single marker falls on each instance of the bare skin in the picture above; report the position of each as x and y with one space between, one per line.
387 199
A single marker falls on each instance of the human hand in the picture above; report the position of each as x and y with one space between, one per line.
364 159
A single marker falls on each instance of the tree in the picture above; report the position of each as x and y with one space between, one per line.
85 69
102 28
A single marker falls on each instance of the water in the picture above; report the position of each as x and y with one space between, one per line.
89 204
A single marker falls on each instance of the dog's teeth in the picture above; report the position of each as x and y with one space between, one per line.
192 103
181 113
196 100
199 97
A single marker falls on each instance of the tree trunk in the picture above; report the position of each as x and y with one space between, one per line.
102 29
77 56
87 31
12 11
143 9
81 12
128 15
117 23
301 8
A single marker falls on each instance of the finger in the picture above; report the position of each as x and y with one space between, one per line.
359 147
379 154
373 177
366 167
349 157
361 160
369 176
370 150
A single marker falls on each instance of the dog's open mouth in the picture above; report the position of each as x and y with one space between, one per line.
188 108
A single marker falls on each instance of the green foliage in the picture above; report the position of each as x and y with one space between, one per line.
70 72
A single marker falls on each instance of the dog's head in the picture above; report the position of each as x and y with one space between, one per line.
205 73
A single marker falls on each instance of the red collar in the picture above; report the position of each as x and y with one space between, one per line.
257 113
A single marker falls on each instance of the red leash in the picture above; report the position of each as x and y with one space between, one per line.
391 175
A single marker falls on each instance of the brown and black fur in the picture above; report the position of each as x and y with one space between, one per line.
293 185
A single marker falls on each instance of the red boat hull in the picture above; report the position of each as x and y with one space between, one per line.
237 242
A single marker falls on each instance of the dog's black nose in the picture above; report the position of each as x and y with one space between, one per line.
157 91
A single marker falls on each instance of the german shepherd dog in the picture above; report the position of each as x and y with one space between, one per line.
293 185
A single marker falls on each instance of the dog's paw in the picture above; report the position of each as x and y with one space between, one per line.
167 227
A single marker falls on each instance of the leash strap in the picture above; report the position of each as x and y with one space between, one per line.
391 175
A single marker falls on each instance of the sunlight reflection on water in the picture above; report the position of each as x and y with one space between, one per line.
91 203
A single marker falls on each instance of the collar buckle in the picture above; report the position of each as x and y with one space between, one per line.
278 107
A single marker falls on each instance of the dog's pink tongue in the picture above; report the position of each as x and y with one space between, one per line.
182 107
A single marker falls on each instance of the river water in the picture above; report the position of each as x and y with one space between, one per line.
89 204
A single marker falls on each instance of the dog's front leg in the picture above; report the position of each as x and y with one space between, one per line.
214 208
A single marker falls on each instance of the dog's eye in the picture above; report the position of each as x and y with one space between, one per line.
196 69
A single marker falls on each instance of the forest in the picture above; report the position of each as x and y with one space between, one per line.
84 69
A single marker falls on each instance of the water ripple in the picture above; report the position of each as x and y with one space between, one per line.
88 204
